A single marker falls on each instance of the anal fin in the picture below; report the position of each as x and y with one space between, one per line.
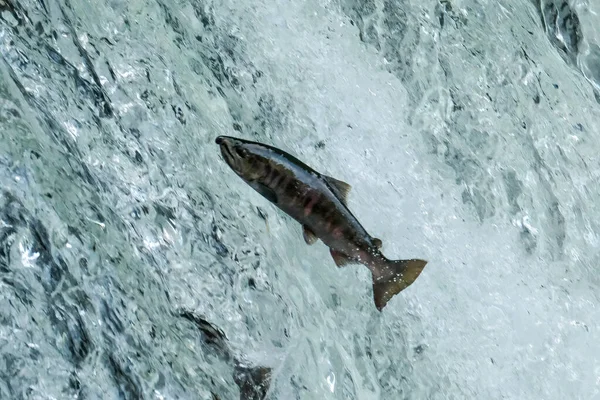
265 191
340 259
309 236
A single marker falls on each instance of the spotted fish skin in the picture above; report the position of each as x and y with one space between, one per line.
318 203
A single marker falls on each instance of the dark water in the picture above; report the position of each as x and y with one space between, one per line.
468 130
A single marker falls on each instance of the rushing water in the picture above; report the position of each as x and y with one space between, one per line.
469 131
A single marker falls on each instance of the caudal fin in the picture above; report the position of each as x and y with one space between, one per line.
253 381
397 276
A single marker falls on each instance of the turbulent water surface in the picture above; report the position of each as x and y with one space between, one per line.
469 131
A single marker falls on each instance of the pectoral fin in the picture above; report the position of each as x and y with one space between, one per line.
340 259
309 236
267 192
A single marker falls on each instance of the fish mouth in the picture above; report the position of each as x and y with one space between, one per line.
227 151
228 155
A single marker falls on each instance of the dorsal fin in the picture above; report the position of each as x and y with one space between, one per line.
340 188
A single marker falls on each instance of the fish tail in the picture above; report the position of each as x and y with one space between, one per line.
253 381
394 277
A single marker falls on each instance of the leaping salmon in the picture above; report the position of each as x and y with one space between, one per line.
318 203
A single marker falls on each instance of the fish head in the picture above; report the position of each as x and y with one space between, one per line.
247 159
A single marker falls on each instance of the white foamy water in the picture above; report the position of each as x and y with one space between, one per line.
468 131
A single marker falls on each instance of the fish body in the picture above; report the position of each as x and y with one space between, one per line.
253 381
318 203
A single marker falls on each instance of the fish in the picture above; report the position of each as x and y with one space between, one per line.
320 204
252 381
